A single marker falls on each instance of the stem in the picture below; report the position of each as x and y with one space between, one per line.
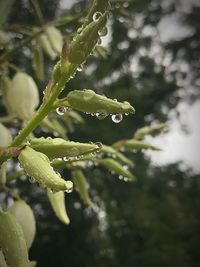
44 109
18 47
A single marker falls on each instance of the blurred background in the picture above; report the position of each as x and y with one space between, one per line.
151 59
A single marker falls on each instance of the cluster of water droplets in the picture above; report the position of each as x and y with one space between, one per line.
62 110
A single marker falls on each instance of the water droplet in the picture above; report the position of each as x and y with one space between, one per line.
93 153
125 4
65 158
80 68
79 30
32 180
61 110
117 118
69 186
78 157
96 16
103 31
93 114
101 115
99 41
99 144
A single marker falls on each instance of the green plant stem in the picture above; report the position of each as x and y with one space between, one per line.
5 56
44 109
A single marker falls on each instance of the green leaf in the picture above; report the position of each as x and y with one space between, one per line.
133 144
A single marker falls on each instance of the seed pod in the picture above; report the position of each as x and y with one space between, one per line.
5 140
2 260
82 186
59 148
5 86
114 166
37 166
55 39
25 217
46 46
89 101
117 155
138 145
83 43
38 62
149 130
22 97
12 241
57 201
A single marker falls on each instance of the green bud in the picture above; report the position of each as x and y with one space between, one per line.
5 136
88 101
114 166
82 186
2 260
25 217
57 201
59 148
37 166
46 46
150 130
22 96
38 62
5 140
4 38
83 43
12 242
138 145
55 39
117 155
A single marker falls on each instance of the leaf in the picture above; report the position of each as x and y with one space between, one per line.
150 130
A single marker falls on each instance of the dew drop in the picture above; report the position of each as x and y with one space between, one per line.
65 158
32 180
69 186
103 31
61 110
78 157
117 118
99 145
96 16
80 68
101 115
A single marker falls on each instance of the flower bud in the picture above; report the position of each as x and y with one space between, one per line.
59 148
114 166
12 242
37 166
57 201
82 186
46 46
88 101
22 96
83 43
2 260
138 145
5 136
55 39
5 140
149 130
117 155
25 217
